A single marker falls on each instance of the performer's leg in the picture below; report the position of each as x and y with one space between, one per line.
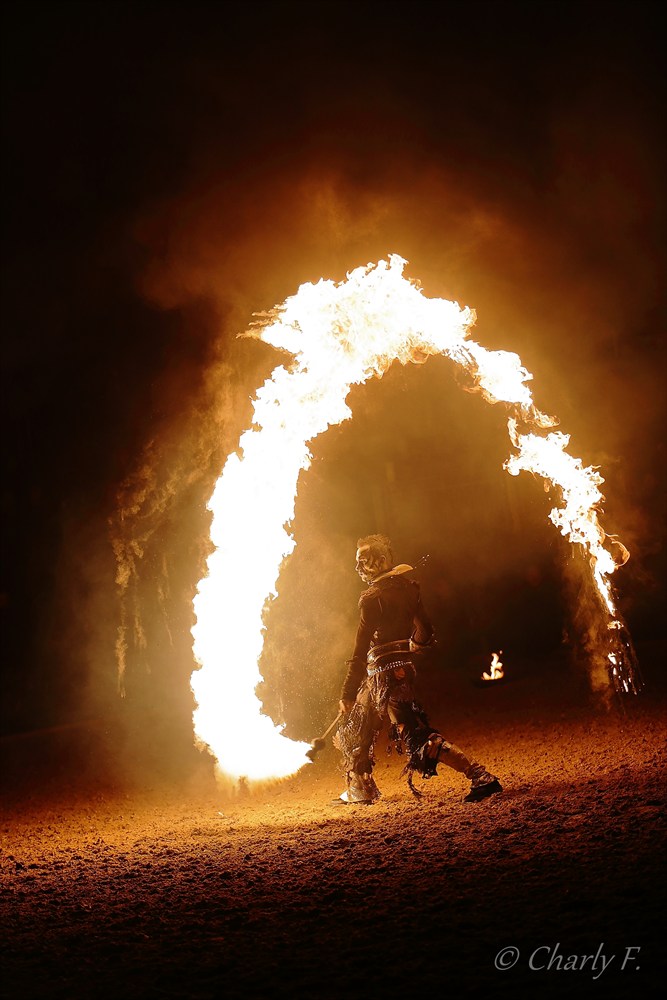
483 783
427 748
355 738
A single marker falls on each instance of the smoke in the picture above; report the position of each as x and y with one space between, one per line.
243 247
515 163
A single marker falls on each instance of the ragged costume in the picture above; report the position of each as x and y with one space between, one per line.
394 632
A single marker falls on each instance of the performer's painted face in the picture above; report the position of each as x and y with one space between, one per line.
372 562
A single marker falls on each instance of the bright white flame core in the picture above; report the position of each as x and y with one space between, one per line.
497 672
339 335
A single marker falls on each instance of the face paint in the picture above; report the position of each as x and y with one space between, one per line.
372 561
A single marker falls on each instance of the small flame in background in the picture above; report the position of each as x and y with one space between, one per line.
338 335
497 671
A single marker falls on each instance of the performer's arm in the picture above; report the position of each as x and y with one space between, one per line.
356 667
355 673
423 635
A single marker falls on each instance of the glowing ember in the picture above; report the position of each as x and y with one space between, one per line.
338 335
496 668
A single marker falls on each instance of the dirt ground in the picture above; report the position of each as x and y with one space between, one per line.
277 892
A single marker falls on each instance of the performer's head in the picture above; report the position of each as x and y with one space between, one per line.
374 557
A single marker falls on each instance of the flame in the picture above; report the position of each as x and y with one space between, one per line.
496 668
338 335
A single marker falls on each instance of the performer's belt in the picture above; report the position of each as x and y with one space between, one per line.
391 665
388 655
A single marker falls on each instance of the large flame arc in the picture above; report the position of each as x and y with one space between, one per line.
338 335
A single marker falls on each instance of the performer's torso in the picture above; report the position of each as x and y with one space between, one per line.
390 606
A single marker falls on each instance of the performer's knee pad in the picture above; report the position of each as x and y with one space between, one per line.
424 747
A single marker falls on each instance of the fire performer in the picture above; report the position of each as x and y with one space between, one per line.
393 632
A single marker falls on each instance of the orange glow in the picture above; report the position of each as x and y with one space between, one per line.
336 335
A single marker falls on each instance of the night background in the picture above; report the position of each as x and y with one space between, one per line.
172 169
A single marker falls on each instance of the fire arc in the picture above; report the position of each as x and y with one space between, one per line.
336 335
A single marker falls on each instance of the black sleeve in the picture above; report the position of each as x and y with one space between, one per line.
356 670
423 633
356 667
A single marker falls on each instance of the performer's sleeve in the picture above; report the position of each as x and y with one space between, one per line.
423 634
355 673
356 667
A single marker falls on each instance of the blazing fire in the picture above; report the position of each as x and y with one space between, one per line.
496 668
336 335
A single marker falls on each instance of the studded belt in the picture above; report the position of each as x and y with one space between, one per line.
388 650
390 665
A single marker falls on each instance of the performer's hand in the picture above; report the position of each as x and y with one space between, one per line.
345 706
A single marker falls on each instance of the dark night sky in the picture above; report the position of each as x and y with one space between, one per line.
171 168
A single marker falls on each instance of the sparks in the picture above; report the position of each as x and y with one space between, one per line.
338 335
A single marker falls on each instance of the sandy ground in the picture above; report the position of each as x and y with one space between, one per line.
280 893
